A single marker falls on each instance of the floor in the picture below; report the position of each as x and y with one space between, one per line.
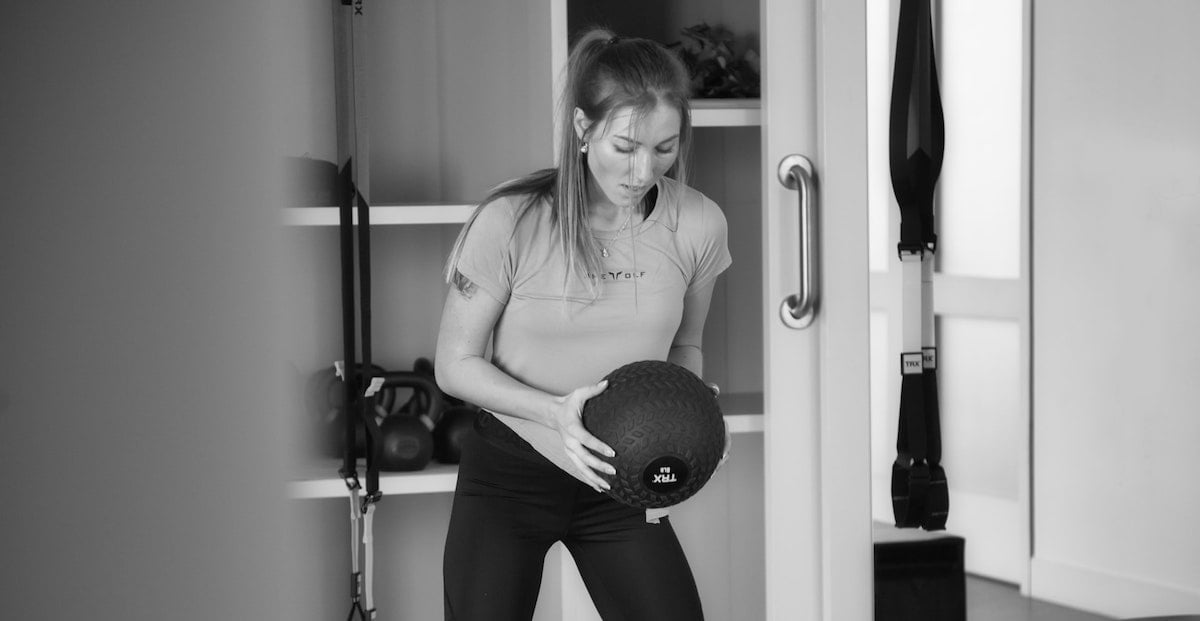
988 600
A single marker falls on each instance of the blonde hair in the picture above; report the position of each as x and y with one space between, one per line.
604 73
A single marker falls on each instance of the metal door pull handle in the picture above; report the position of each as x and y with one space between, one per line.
799 310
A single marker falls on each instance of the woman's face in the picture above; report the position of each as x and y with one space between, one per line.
628 154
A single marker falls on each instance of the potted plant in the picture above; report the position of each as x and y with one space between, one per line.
720 67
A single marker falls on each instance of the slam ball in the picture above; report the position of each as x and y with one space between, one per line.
666 427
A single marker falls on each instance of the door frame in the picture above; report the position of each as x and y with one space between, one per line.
817 473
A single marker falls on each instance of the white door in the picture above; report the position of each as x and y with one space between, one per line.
817 386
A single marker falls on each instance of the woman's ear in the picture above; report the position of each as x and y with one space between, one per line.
581 123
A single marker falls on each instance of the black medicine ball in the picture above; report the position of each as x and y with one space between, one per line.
666 427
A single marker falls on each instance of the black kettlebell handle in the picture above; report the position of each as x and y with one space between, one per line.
419 383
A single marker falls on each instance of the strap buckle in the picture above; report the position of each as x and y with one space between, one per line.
350 478
370 499
910 251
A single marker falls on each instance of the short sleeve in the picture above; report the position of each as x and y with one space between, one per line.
711 244
486 257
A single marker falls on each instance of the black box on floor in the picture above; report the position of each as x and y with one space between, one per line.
919 575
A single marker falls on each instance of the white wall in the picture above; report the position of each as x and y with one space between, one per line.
1116 227
140 385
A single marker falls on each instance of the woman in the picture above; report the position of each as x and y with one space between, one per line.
569 273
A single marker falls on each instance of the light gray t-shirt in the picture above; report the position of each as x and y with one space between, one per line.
558 344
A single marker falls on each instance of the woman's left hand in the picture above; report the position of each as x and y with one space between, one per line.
581 446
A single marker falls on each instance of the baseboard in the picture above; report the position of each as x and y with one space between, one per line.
1108 593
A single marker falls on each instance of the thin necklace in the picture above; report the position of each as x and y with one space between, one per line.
606 243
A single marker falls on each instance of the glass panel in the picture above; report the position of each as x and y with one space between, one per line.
979 192
979 383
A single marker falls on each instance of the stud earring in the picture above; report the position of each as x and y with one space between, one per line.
584 148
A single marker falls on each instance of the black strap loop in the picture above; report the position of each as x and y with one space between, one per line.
352 405
367 412
937 500
911 438
916 146
917 127
910 488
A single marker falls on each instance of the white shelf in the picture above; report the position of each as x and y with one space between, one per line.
319 479
382 215
705 113
726 112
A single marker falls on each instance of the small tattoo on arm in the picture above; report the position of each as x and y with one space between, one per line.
464 285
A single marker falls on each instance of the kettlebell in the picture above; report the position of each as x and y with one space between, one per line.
458 417
451 432
406 441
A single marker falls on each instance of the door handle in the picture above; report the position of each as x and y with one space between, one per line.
798 310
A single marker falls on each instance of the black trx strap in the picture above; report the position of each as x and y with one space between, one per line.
347 370
361 385
917 137
361 388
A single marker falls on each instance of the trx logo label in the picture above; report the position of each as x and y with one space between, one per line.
911 363
929 359
665 474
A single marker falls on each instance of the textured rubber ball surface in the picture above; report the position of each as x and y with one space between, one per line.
666 427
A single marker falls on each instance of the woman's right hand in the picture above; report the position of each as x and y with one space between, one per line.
576 440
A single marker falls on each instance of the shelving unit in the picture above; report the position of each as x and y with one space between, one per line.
437 145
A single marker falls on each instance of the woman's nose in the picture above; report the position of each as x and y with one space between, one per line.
641 168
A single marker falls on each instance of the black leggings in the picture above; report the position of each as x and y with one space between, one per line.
512 504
